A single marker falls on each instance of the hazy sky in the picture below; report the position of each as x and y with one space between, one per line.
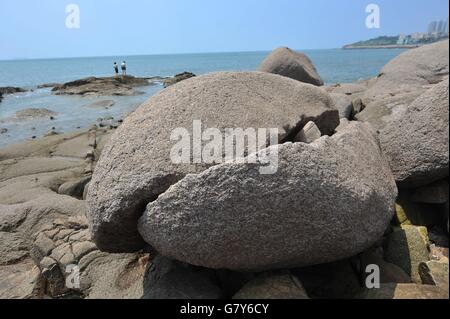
37 29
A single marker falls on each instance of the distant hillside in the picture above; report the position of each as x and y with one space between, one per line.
386 42
380 41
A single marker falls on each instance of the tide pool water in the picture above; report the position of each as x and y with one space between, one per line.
335 66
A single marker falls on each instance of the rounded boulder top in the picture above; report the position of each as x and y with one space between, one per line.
295 65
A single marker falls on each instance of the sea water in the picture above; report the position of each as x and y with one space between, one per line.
334 66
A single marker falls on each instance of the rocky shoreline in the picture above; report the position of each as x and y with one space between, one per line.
362 180
103 86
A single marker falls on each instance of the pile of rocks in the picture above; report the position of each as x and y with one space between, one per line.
10 90
361 180
331 199
109 86
178 78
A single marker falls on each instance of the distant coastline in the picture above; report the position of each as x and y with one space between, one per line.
402 41
393 46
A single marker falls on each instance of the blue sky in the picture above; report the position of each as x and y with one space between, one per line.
36 29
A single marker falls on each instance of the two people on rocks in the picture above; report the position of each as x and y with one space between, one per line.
123 67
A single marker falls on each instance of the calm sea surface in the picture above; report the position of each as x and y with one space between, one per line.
335 66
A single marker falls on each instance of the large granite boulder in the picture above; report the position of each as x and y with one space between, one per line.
412 70
329 200
135 166
403 80
417 143
294 65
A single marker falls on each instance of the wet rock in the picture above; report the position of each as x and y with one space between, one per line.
11 90
34 113
109 86
106 104
178 78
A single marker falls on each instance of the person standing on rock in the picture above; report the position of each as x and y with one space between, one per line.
116 70
124 69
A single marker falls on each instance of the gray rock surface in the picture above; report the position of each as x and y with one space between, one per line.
404 292
407 248
11 90
389 273
108 86
13 248
268 286
435 273
308 134
75 187
136 167
402 80
30 175
343 103
412 70
168 279
20 281
417 143
336 280
66 243
294 65
178 78
435 193
329 200
381 111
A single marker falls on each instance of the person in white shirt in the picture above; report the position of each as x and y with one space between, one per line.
124 69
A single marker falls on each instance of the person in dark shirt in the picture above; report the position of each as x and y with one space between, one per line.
116 70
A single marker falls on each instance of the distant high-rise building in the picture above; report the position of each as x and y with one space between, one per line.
401 39
441 26
432 27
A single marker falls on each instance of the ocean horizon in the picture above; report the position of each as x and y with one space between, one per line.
334 65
